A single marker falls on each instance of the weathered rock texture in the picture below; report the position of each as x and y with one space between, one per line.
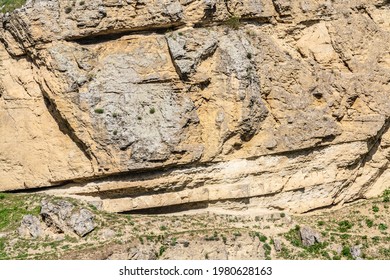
145 104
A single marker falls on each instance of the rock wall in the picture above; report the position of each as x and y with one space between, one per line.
146 104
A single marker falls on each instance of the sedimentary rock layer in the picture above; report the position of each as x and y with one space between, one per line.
146 104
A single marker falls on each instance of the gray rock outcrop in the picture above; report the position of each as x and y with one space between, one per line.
309 236
63 218
30 227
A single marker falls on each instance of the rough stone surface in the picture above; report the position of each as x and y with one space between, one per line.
267 103
309 236
30 227
82 222
356 252
63 218
56 214
277 244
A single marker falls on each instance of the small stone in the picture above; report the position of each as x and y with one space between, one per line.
277 244
355 252
309 236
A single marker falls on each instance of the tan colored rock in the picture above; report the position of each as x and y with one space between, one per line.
145 104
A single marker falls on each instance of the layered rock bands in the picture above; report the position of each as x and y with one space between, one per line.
149 104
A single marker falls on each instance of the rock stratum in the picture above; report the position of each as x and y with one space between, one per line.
187 103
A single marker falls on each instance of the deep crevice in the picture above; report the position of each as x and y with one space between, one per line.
64 125
106 36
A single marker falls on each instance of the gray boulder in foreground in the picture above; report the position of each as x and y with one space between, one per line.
30 227
309 236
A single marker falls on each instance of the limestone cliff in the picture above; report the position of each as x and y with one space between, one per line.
144 104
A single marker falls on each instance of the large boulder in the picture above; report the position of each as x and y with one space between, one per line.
62 217
56 214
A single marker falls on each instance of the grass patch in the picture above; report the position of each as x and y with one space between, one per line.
10 5
369 223
233 22
386 195
382 227
3 254
345 225
99 111
294 237
12 210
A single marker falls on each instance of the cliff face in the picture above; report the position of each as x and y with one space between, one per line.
143 104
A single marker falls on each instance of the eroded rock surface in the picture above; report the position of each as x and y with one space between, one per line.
148 104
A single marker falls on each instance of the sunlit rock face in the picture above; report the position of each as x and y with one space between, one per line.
149 104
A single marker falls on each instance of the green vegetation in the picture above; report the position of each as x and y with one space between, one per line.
233 22
294 237
375 208
382 227
212 238
369 223
12 210
10 5
161 251
386 195
346 252
152 110
3 255
345 225
163 228
99 111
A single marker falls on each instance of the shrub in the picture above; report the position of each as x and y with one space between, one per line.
163 228
345 225
369 223
162 250
233 22
99 111
266 247
262 238
346 252
382 227
152 110
375 208
68 10
386 195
